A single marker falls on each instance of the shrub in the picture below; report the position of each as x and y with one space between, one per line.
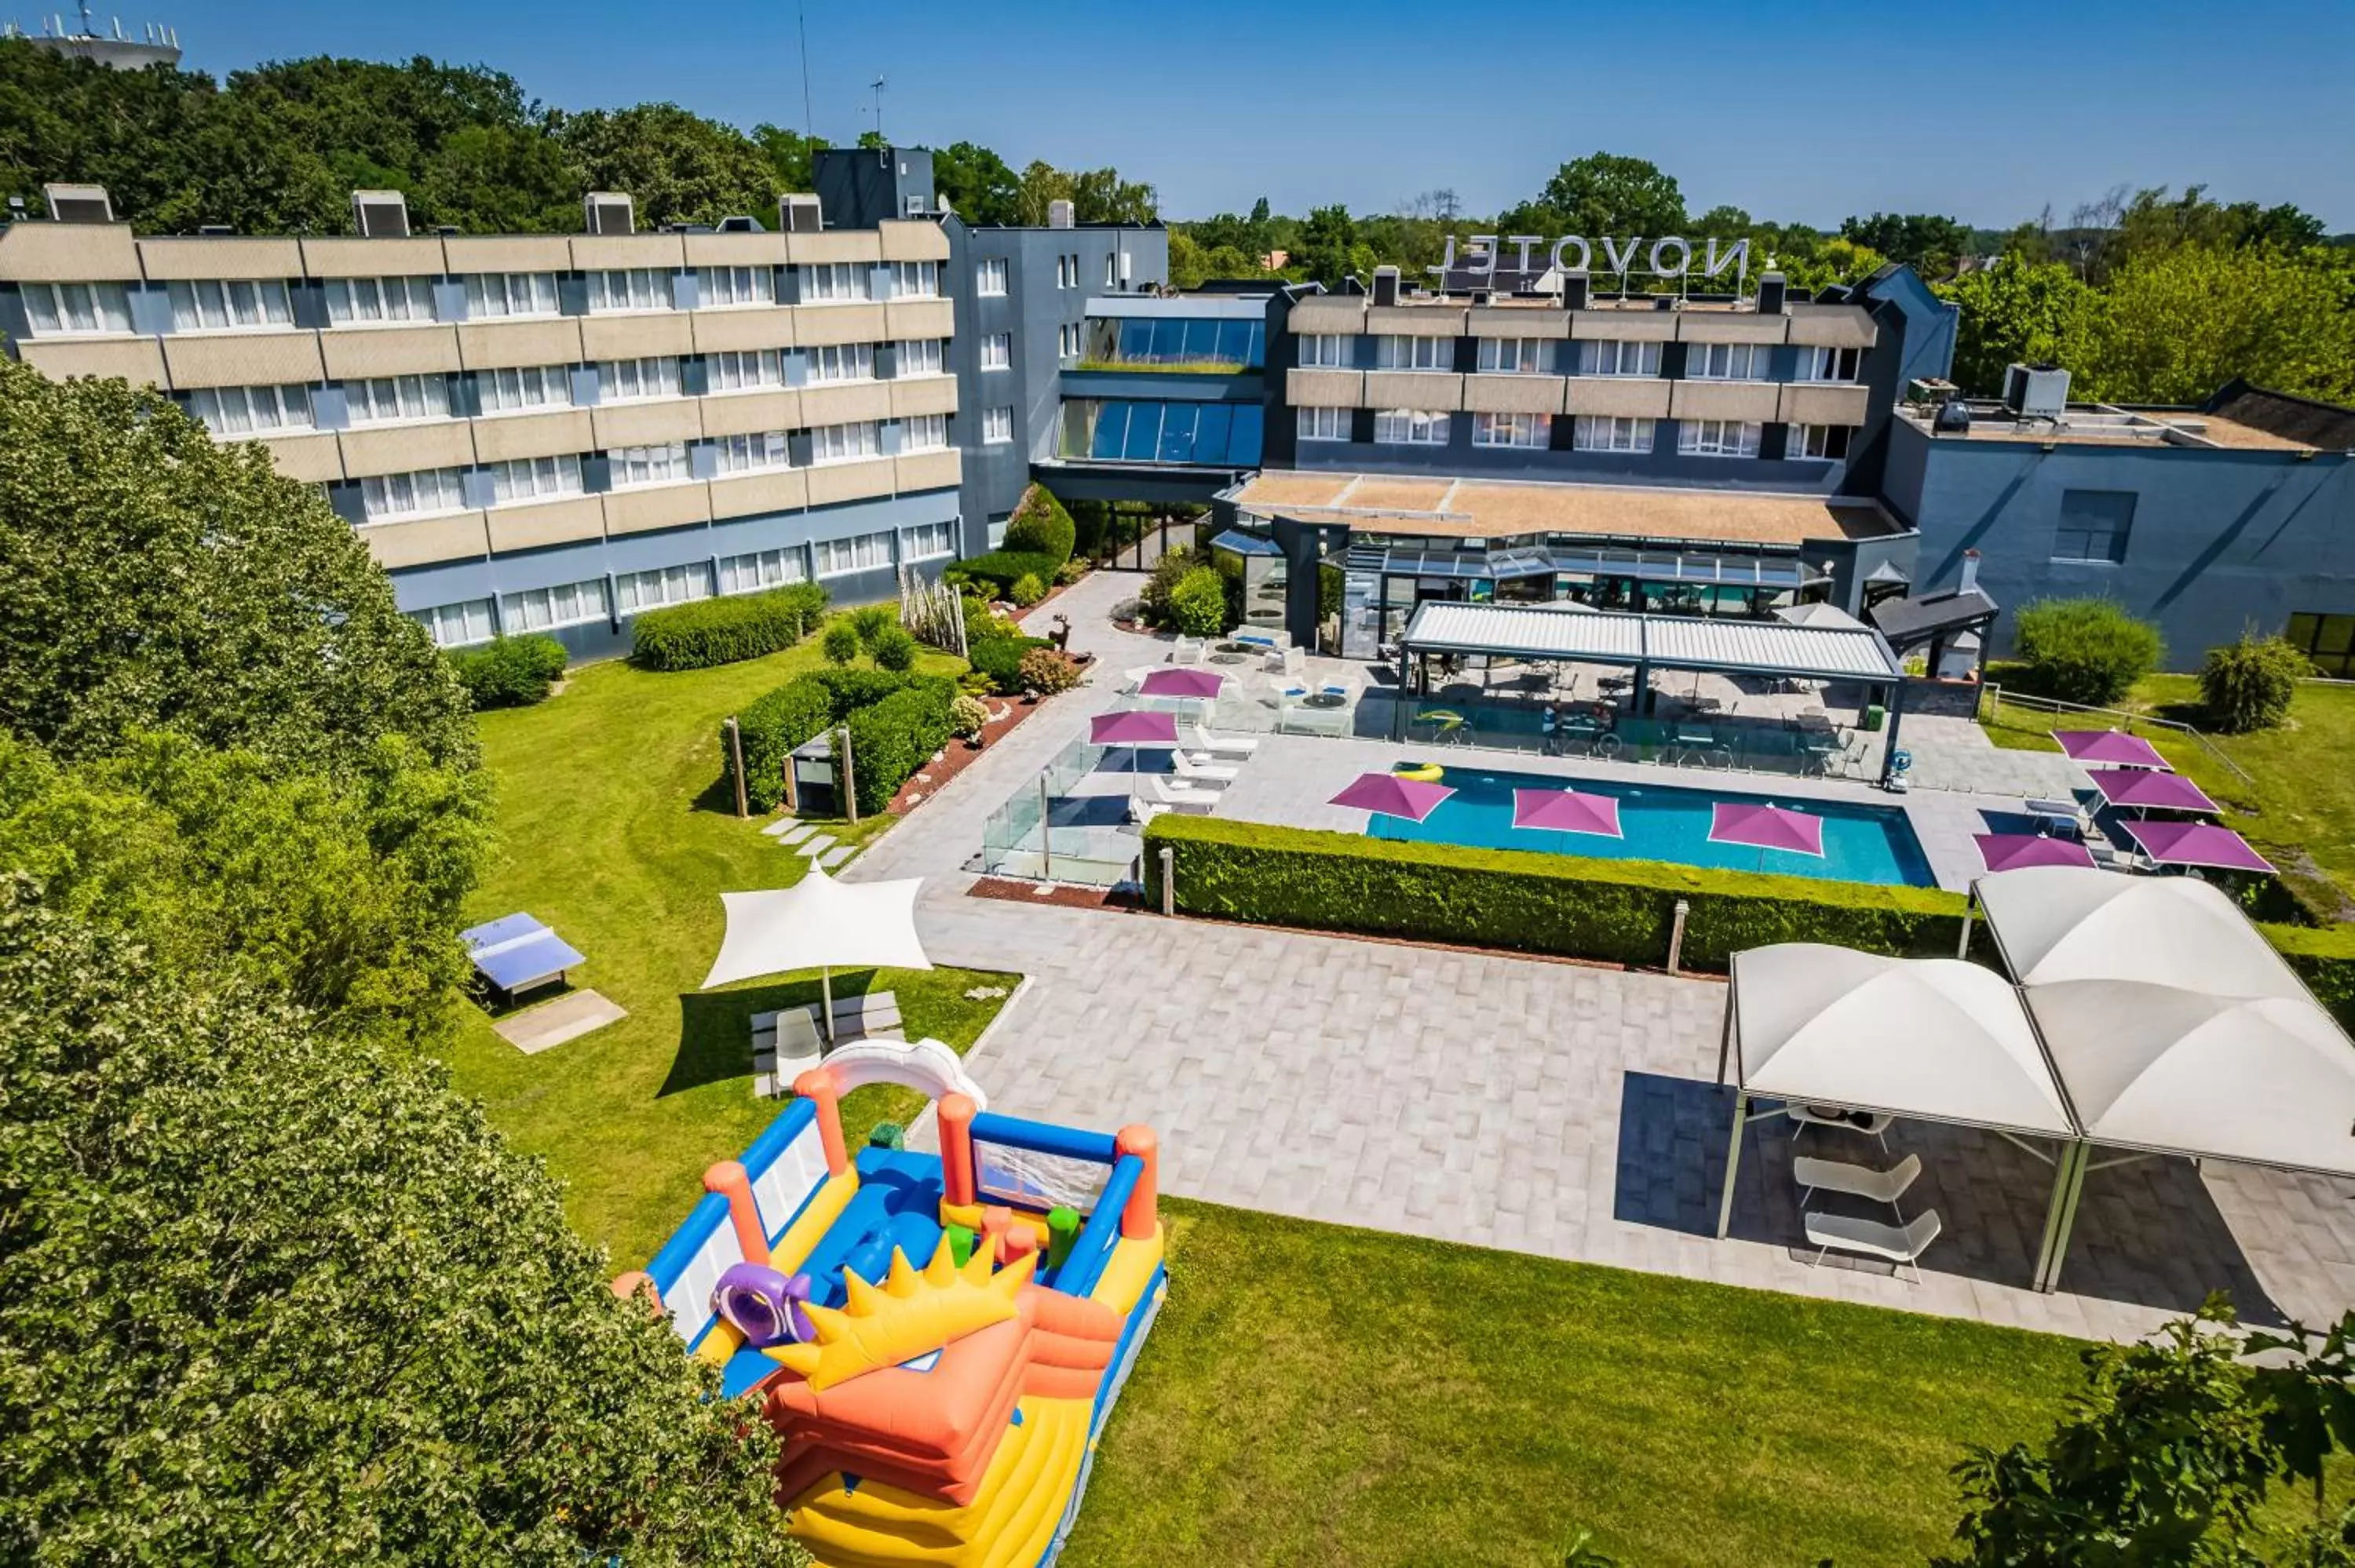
1046 672
982 623
894 648
856 688
1620 911
967 714
1197 605
797 712
2086 650
870 619
1070 571
510 671
1153 601
1000 569
841 643
1028 590
1040 526
2250 684
892 738
725 630
1000 659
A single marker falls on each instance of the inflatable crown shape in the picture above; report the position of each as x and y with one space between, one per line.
910 1314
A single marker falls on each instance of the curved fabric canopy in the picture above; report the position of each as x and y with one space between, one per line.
2060 923
819 923
1934 1038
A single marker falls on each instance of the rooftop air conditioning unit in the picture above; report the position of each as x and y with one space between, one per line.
78 203
742 224
609 212
1575 286
1062 215
380 215
801 215
1386 285
2035 391
1771 290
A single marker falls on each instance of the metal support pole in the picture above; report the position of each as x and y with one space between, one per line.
1732 1165
736 765
1962 948
2065 1171
1676 934
1725 1036
2059 1251
850 778
1046 831
1168 880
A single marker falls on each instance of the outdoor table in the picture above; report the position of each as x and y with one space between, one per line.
1235 653
1690 742
1325 700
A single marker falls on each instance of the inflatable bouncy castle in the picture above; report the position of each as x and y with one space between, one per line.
937 1337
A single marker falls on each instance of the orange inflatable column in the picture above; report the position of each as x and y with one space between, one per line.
728 1179
953 1115
818 1084
1142 1215
995 1221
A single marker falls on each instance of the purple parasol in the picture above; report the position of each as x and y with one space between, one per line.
2010 852
1766 827
1567 812
2110 748
2196 844
1388 795
1182 683
1133 727
2157 792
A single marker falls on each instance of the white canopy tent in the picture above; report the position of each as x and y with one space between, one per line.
2065 923
821 923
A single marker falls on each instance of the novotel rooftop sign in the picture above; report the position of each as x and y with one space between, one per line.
1670 256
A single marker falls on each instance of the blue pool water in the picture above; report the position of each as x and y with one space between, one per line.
1861 843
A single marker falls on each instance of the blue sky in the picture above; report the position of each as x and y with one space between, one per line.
1806 112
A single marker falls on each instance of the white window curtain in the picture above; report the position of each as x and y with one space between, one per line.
1726 361
567 604
928 542
383 399
998 425
634 591
921 357
420 493
831 282
989 276
1609 357
457 625
752 453
1717 438
535 479
1325 350
635 380
649 465
842 362
237 305
529 386
923 432
721 288
1513 355
358 302
1510 430
997 351
1603 433
843 444
760 569
1411 426
1396 352
511 294
744 370
915 280
630 289
1324 424
866 552
251 410
64 309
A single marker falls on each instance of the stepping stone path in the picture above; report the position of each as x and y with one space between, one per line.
836 856
814 847
781 825
800 831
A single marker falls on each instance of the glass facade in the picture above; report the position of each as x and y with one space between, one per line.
1224 435
1175 341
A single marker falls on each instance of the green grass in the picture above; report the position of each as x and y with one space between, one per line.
1319 1396
2301 800
615 831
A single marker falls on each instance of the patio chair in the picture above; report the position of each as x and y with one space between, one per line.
1901 1245
2065 815
1222 746
1872 1124
1856 1180
1287 692
1142 811
1180 796
1202 772
1186 651
1287 661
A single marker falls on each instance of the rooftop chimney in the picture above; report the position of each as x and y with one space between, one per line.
78 203
1970 572
380 215
1573 290
1771 288
1062 215
609 212
800 214
1386 285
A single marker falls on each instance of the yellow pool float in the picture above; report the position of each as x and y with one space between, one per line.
1420 772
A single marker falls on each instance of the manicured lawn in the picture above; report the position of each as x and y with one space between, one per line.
614 831
2302 797
1319 1396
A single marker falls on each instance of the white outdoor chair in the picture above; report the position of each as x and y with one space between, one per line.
1185 650
1901 1245
1180 796
2065 815
1132 679
1856 1181
1141 810
1223 746
1872 1124
1202 772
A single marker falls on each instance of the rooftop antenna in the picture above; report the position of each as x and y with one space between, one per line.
878 84
809 116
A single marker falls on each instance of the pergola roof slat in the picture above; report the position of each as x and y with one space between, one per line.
1670 642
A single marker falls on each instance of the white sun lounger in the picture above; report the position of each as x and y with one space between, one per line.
1901 1245
1856 1181
1224 746
1206 772
1180 796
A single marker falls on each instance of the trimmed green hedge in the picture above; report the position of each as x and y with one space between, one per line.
1000 659
892 738
1616 910
2325 960
1041 526
1001 569
809 704
725 631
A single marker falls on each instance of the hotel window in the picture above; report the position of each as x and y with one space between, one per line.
1510 430
989 276
921 357
928 542
635 380
844 443
1829 365
657 464
64 310
1610 356
634 591
752 453
924 433
542 609
1324 424
866 552
1514 355
1397 353
2094 526
1817 442
1112 270
1718 438
1411 427
422 493
760 569
1067 271
529 386
1326 349
842 362
1727 361
511 294
997 351
720 288
384 399
2326 640
1611 433
247 305
355 302
915 280
1069 340
743 370
831 282
251 410
457 625
997 426
630 289
535 479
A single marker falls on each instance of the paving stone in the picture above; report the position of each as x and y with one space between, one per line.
816 846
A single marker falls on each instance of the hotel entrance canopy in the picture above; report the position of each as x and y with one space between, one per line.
1654 641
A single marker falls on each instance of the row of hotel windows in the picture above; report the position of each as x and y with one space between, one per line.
581 603
258 410
1590 433
1585 357
264 304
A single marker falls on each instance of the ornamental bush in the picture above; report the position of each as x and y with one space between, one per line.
894 648
999 570
2088 650
1153 599
711 632
2250 684
1047 671
969 716
510 671
892 738
1028 590
842 644
1000 659
1197 605
804 708
870 620
1040 526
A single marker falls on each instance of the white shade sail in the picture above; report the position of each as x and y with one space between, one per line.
2067 923
1934 1038
819 923
2266 1080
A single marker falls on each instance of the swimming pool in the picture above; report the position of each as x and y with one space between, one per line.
1861 843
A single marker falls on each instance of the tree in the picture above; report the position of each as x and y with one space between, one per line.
1330 248
2176 325
976 183
1097 195
2015 311
1929 244
680 167
1608 193
2086 650
791 155
2250 684
266 1295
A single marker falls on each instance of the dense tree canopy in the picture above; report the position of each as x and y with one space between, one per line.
976 183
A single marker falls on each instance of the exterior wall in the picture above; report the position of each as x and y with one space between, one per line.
2221 540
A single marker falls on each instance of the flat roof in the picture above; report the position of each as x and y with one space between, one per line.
1666 641
1480 509
2106 425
